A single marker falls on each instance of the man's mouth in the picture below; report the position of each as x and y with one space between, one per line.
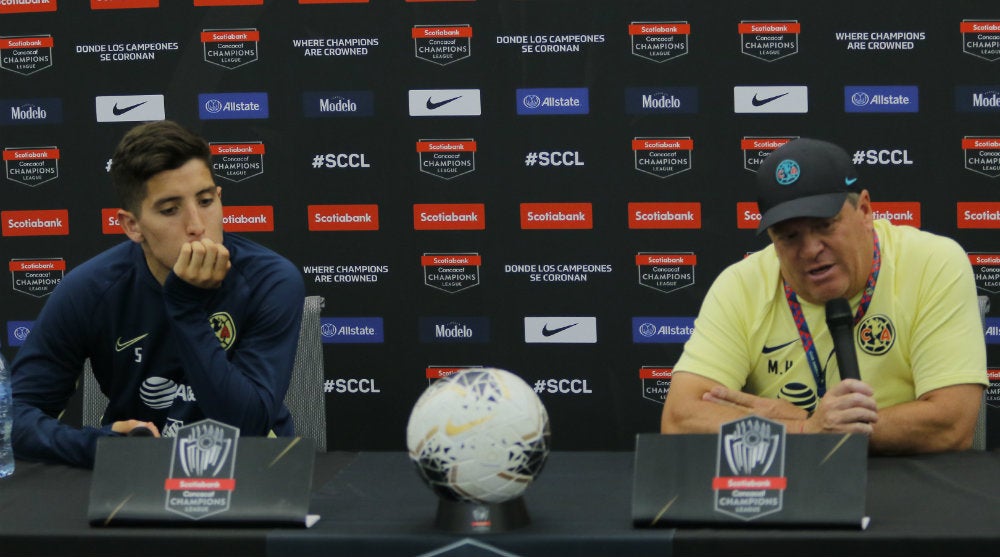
817 272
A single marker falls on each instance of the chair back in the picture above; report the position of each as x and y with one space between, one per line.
979 434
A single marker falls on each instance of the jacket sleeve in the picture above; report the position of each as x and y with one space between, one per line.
246 389
44 375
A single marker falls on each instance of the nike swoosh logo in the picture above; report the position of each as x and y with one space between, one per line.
432 105
119 111
769 349
452 430
547 332
850 181
119 345
761 102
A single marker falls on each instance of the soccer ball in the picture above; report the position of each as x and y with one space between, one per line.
480 435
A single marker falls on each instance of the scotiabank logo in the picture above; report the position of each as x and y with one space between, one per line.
35 223
340 218
747 215
664 215
23 6
549 216
123 4
975 215
898 212
109 221
455 216
248 218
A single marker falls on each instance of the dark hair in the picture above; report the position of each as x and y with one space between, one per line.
147 150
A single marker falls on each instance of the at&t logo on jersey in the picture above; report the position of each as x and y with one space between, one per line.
553 101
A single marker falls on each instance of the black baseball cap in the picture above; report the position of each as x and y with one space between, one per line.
804 178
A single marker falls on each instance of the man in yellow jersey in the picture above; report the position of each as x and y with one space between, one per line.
917 330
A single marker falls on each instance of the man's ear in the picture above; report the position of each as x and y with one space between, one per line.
130 225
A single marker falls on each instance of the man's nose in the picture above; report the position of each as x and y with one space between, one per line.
194 223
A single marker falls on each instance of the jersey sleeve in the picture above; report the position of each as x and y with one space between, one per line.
948 343
44 375
718 347
246 389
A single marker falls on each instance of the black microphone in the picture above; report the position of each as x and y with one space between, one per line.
840 321
140 431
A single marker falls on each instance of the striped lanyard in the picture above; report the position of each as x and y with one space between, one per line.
800 319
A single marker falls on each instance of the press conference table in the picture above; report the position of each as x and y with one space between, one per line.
372 503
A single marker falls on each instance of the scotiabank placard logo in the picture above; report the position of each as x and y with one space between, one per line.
248 218
898 212
340 218
664 215
975 214
23 6
123 4
552 216
198 3
35 223
434 373
109 221
747 215
449 216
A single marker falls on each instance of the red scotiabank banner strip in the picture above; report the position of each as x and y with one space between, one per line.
41 6
37 265
199 484
666 259
451 260
765 27
750 482
659 29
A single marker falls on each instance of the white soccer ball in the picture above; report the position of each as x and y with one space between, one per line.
480 435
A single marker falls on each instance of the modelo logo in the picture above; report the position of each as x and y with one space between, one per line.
30 111
454 329
977 99
667 100
335 104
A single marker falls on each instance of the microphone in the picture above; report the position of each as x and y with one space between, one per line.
140 431
840 321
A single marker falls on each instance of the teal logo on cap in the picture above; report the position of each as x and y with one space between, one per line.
787 172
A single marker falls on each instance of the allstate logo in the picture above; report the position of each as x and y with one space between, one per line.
860 99
328 330
787 172
214 106
531 101
647 330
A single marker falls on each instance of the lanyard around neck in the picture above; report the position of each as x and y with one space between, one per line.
812 356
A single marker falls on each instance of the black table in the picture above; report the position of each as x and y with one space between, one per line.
374 504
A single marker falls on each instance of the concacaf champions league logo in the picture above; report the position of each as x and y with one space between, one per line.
202 467
750 468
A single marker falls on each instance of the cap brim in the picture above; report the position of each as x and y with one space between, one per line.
821 206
